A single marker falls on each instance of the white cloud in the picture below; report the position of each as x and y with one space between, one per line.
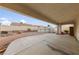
2 18
23 21
5 21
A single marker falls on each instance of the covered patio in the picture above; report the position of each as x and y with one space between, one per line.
47 43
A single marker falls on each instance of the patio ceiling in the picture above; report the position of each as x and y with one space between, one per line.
50 12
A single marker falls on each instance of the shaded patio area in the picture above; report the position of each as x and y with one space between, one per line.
44 44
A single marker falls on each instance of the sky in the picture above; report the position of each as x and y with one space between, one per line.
8 16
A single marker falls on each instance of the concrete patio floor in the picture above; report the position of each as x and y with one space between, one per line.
5 41
44 44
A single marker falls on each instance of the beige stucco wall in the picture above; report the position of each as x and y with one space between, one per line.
15 28
67 27
12 28
77 28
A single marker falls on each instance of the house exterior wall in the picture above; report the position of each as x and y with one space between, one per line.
76 29
67 27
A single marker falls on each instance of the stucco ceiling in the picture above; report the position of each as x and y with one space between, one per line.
54 13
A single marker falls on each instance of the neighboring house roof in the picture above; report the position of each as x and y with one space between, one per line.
18 24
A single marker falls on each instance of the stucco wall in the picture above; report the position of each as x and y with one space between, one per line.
11 28
77 28
15 28
67 27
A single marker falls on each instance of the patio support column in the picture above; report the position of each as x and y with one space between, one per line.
59 29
